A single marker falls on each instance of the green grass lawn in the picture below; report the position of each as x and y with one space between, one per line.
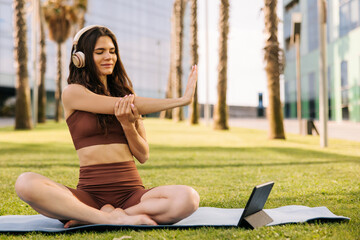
223 166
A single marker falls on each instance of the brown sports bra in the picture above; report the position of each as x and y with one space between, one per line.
86 131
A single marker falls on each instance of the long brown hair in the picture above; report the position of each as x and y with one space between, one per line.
118 82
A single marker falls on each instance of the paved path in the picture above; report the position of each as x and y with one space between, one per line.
4 122
339 130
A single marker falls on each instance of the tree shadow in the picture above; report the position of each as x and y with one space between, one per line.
192 157
240 157
21 155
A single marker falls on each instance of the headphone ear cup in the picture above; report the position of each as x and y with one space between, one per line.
78 59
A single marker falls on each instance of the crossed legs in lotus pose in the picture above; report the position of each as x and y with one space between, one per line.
160 205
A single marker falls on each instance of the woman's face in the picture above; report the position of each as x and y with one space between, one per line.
104 56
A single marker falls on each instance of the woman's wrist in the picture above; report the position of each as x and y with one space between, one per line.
128 125
184 101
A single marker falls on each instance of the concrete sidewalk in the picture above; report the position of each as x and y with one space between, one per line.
341 130
4 122
337 130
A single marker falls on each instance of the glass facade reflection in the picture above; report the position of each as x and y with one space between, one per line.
142 28
343 75
312 29
349 12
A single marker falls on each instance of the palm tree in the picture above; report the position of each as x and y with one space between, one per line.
80 8
42 52
22 106
168 113
220 109
273 70
169 89
194 109
60 17
179 7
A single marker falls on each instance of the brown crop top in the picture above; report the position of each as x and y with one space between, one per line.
86 131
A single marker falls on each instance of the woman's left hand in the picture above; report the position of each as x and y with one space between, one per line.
191 85
125 110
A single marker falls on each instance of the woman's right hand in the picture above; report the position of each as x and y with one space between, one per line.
191 85
125 110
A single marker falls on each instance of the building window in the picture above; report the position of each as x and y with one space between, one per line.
344 90
312 96
312 25
290 8
328 23
349 12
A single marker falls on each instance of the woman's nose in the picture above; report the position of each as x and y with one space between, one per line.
107 55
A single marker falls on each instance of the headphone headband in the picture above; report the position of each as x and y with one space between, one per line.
82 31
78 57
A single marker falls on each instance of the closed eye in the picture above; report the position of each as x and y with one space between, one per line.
102 50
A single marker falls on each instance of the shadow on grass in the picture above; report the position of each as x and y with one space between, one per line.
258 157
43 148
192 166
315 198
53 154
37 155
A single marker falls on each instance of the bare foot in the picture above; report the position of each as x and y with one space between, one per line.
74 223
117 216
120 217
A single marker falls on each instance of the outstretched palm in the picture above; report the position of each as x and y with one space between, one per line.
191 84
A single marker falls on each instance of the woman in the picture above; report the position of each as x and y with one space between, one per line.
103 116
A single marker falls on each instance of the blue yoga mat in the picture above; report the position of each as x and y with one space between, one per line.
204 216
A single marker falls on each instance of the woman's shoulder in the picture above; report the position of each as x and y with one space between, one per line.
73 91
73 87
70 94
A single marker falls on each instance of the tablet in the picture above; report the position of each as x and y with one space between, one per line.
253 215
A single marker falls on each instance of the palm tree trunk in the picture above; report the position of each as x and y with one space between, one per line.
58 107
179 6
194 108
168 113
81 8
169 89
273 70
22 106
220 110
61 18
42 90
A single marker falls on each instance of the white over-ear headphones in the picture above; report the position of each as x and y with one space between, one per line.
78 58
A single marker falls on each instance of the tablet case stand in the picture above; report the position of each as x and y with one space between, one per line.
257 220
254 215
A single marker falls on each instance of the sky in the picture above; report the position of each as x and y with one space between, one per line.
246 74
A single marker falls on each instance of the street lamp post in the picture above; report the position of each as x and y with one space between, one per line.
34 42
206 107
323 105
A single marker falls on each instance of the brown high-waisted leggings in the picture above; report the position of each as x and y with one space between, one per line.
118 184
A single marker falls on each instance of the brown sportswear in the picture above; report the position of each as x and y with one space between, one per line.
118 184
86 131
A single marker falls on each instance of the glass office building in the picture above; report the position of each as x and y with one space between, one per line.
142 28
343 59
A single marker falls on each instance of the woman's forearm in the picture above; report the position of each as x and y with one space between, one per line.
152 105
138 146
77 97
